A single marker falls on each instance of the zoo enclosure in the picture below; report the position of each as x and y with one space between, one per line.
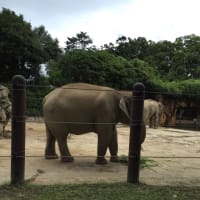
18 131
16 155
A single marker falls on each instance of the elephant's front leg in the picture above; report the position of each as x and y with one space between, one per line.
105 133
64 151
107 137
113 147
50 152
101 150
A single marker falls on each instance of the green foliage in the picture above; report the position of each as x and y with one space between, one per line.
163 67
81 41
17 44
22 50
177 60
99 67
34 97
132 48
49 45
144 162
190 88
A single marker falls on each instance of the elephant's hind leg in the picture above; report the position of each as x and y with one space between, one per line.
50 152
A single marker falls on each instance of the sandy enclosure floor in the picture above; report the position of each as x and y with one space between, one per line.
160 145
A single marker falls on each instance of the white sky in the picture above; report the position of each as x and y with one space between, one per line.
106 20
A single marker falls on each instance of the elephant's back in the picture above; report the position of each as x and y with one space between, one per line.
78 91
86 86
78 98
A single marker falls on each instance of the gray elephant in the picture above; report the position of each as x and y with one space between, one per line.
80 108
152 112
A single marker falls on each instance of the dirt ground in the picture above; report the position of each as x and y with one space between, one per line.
160 145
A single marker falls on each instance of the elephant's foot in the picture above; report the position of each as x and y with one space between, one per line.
51 156
67 159
101 160
114 159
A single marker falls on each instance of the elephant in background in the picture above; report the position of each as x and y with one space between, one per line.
152 112
2 121
4 91
5 109
80 108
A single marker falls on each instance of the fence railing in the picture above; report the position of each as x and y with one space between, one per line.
18 133
18 130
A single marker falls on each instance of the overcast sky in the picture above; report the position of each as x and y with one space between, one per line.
106 20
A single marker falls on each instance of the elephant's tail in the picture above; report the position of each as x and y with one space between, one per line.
48 130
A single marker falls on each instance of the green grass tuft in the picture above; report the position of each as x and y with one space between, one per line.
144 162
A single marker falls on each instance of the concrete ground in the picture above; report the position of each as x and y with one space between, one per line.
175 152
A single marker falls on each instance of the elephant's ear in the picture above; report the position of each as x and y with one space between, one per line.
123 107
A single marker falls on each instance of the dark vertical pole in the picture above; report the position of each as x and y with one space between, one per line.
136 128
18 130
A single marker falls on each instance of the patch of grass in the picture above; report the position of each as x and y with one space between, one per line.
99 191
144 162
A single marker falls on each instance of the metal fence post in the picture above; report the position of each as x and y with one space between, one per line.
18 130
136 128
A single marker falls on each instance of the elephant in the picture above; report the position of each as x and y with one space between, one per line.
4 91
80 108
6 108
152 111
2 120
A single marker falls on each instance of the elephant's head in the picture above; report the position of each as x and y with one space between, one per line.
125 107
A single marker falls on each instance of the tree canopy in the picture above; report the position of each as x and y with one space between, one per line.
161 66
98 67
177 60
22 49
80 41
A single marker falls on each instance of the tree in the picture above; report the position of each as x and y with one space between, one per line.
23 50
81 41
20 50
187 56
99 67
161 56
132 48
49 45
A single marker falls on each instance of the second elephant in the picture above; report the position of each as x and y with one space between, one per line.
152 112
